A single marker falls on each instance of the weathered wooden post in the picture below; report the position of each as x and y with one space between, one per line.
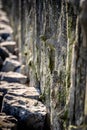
83 20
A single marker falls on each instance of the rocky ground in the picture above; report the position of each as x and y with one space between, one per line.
19 104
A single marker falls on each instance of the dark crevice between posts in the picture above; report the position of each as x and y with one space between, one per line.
1 100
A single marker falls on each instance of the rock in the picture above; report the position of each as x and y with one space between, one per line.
13 77
23 70
4 53
13 57
16 51
18 89
6 30
1 99
10 45
2 13
10 65
30 112
5 36
4 26
4 19
7 122
1 63
22 102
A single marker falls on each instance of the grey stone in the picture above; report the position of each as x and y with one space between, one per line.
5 36
23 69
18 89
7 122
22 102
4 53
6 30
1 99
16 51
10 65
10 45
4 19
13 77
7 27
1 63
13 57
26 110
2 13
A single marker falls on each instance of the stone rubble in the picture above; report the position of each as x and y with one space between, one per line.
7 122
10 45
16 99
13 77
10 65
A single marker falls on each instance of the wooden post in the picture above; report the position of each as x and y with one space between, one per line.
83 20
